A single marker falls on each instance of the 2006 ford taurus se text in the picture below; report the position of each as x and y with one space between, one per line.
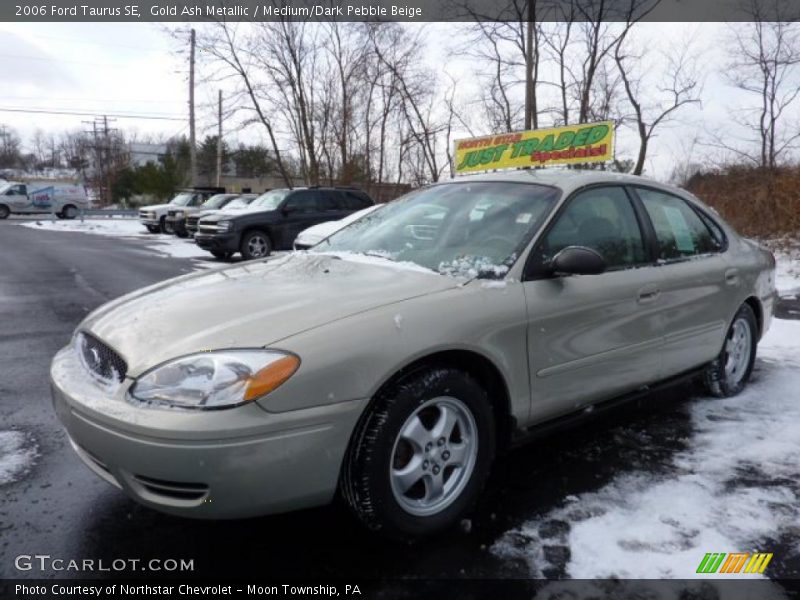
393 361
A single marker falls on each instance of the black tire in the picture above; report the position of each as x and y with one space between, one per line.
4 211
252 240
182 234
221 254
69 212
717 380
153 228
162 225
366 482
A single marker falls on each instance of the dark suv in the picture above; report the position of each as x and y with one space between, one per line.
273 220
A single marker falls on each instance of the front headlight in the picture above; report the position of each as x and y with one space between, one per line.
179 214
224 225
211 380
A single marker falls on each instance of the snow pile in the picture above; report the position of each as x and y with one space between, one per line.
167 245
734 488
17 456
116 227
787 270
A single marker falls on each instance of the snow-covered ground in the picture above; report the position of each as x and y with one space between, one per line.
734 488
168 245
17 455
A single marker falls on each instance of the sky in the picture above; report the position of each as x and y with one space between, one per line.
140 69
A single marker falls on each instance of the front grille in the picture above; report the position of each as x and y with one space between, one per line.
192 221
204 228
101 359
174 490
171 213
143 214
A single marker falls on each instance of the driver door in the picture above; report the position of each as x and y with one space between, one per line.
592 337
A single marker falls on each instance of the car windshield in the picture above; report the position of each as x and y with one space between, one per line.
460 229
182 199
238 203
216 201
270 200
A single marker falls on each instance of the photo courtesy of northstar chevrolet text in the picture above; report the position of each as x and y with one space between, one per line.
395 300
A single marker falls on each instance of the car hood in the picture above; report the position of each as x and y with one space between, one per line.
155 207
250 305
319 232
235 212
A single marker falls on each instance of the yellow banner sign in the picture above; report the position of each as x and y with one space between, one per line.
572 144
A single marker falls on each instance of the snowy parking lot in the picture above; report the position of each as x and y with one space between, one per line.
705 475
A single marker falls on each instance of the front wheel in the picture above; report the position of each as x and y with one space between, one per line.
255 244
153 228
69 212
731 370
420 456
4 211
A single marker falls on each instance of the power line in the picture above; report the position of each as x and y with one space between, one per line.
91 114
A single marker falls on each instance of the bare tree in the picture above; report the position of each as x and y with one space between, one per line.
223 45
655 103
765 62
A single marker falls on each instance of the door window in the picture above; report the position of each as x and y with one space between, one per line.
17 190
679 229
304 201
602 219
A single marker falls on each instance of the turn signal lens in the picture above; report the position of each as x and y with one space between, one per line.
271 377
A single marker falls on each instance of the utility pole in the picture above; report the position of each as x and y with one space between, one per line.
219 141
192 147
529 91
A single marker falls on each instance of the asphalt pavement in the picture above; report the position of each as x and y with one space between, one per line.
50 281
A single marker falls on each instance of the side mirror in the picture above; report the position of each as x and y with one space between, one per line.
577 260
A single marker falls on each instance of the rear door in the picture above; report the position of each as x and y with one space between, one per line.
697 280
592 337
299 211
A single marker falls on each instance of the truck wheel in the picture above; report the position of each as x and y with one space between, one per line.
182 234
153 228
4 211
162 225
255 244
420 455
221 254
729 372
69 212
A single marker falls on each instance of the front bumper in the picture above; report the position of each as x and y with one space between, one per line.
178 225
224 242
148 222
233 463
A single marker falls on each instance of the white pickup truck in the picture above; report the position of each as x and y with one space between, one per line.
63 199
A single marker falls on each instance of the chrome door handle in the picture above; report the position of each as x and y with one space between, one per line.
732 276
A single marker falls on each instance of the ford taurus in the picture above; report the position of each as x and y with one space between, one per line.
394 361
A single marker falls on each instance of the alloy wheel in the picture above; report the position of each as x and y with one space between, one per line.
433 456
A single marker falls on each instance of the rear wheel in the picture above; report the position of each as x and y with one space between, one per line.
69 212
731 370
255 244
420 456
4 211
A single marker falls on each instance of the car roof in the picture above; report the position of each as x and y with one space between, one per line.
567 179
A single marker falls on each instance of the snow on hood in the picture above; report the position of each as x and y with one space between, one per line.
250 305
